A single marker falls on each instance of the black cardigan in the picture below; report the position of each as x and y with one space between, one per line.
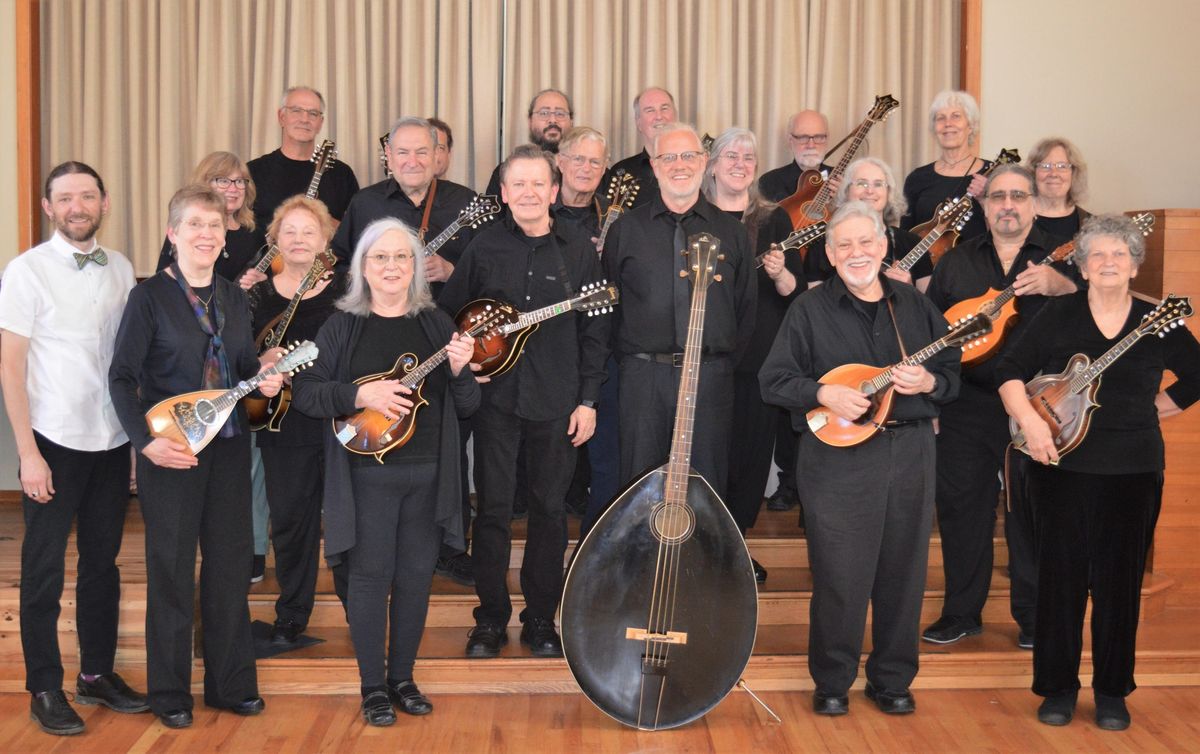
326 390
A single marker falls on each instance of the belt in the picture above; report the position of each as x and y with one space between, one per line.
901 423
674 359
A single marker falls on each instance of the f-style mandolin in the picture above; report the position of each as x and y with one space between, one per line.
193 419
948 236
622 190
660 607
876 384
1066 401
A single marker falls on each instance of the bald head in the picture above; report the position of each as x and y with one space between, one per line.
808 136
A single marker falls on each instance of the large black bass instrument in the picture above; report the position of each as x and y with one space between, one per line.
660 606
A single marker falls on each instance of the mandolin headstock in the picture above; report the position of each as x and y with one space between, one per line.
702 254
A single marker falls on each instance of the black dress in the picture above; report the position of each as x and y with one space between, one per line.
925 189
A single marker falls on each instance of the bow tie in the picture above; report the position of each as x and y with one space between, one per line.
98 256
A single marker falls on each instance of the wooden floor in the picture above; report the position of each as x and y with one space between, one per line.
1164 719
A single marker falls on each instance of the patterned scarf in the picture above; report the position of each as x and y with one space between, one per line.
216 366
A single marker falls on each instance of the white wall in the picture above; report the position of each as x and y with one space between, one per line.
1119 78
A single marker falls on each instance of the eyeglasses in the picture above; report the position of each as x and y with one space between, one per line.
809 138
577 160
545 113
383 260
1046 167
732 157
196 226
670 157
1015 196
862 185
225 183
296 112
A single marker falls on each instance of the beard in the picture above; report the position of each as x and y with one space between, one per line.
78 236
550 145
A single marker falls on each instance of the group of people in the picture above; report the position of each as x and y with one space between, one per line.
353 275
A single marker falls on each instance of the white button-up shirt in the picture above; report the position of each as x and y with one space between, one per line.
70 317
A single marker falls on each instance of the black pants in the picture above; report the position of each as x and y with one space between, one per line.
786 442
753 438
208 504
1019 533
464 466
498 436
868 510
649 391
396 547
295 480
1093 534
93 487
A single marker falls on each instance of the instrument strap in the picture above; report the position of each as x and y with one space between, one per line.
562 265
896 326
428 209
835 147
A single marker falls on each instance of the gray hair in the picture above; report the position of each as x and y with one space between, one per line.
896 204
1079 171
849 211
531 152
730 137
583 133
1118 227
288 92
410 121
559 92
637 100
671 128
956 98
357 299
1011 168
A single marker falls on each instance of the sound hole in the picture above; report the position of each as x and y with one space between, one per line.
672 523
206 412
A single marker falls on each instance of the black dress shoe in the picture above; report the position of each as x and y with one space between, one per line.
1111 712
760 573
541 638
950 628
111 691
249 706
457 568
53 714
486 639
176 718
1059 709
782 500
830 704
377 709
406 696
286 631
1025 640
892 701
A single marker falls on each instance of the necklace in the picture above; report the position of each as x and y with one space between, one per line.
206 303
957 162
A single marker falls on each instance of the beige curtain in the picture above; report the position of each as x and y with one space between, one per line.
142 89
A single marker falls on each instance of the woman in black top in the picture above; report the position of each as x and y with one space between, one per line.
387 517
227 175
953 121
1097 506
1061 176
188 329
292 443
730 183
870 180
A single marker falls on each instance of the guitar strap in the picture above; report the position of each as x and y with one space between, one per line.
562 265
896 326
428 209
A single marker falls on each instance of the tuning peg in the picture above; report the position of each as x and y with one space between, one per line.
717 277
683 273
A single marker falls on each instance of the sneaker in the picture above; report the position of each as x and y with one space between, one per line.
457 568
259 569
950 628
111 691
1024 640
53 714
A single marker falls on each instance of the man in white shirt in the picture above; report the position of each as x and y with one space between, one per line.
60 305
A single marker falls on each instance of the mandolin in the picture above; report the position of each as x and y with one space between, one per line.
323 157
1001 307
477 212
950 216
1067 400
948 236
876 384
814 195
194 419
499 346
268 413
798 240
660 608
622 190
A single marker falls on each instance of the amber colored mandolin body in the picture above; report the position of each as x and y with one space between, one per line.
494 353
368 432
165 417
1002 321
842 433
947 240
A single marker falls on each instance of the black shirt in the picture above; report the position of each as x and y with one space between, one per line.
971 268
382 342
278 177
266 303
1124 436
583 221
160 349
241 248
780 183
641 259
925 189
1064 228
387 199
640 167
828 327
563 360
818 269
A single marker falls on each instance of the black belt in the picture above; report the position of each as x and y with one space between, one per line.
901 423
674 359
